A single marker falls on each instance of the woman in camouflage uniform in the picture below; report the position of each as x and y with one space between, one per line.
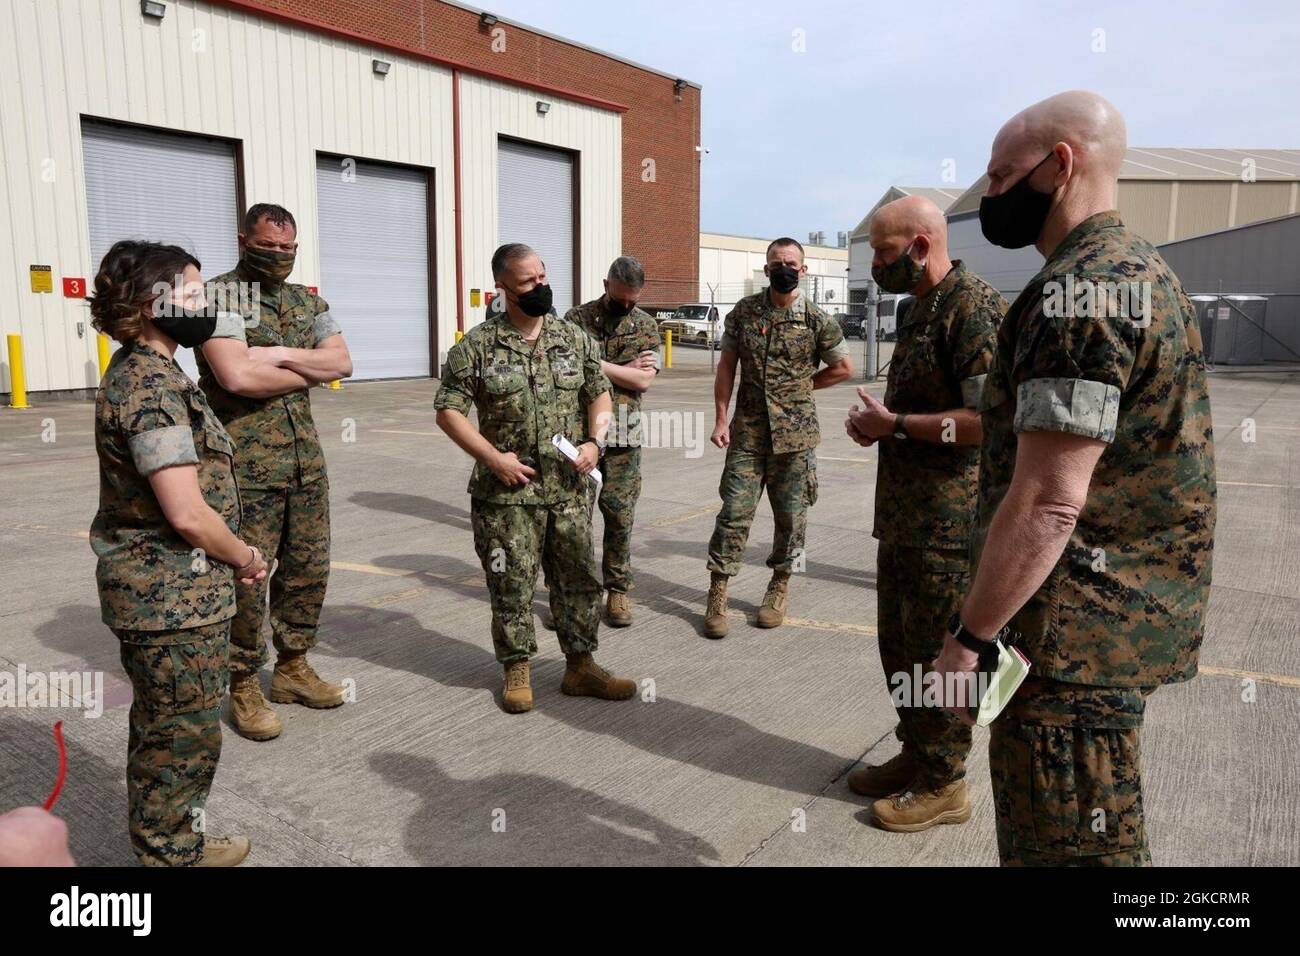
168 552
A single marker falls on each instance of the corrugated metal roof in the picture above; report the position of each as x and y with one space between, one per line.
941 196
1169 164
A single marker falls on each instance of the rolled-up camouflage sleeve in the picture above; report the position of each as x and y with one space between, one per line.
459 382
156 425
647 332
730 341
594 381
972 339
230 325
831 345
1072 373
324 325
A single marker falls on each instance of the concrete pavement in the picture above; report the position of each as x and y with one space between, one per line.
737 750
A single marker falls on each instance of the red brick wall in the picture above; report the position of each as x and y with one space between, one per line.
661 219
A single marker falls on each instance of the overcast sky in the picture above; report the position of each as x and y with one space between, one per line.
886 92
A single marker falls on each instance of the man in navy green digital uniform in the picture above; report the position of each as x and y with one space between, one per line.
532 376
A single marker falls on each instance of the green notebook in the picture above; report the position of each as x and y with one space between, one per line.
1013 668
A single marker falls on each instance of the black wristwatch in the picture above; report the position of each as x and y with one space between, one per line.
600 446
966 639
899 430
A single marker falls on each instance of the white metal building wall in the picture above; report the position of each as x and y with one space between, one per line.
489 110
374 255
284 93
535 207
145 184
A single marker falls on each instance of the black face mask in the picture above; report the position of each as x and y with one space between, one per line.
616 308
536 302
784 279
189 327
1014 219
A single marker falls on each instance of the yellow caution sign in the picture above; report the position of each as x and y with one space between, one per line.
42 278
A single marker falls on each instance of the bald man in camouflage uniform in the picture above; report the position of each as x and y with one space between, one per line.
279 463
530 375
778 339
1097 494
929 432
628 340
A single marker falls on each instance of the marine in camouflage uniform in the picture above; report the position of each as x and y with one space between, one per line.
1124 609
925 504
169 606
620 340
281 472
774 430
524 394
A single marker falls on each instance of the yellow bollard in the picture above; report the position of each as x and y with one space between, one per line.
105 353
668 349
459 335
336 385
17 380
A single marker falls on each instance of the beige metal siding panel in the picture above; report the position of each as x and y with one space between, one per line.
1262 200
489 110
1144 207
1201 207
103 59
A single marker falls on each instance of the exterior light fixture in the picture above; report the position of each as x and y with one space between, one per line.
153 8
487 21
381 67
543 107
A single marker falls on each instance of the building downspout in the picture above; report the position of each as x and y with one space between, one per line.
455 165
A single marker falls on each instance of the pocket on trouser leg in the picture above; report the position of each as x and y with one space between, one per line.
175 743
1067 795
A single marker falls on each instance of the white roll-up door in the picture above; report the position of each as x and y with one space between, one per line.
164 187
374 262
535 206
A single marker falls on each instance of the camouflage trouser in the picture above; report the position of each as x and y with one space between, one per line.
917 591
1067 785
791 483
291 525
512 542
621 469
175 740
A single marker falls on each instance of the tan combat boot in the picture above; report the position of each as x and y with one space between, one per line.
250 714
224 851
886 779
517 697
618 609
772 611
294 682
583 677
914 810
715 615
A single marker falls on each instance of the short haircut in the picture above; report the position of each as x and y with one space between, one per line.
627 270
510 252
784 241
268 210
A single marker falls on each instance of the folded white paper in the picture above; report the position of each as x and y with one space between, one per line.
571 453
